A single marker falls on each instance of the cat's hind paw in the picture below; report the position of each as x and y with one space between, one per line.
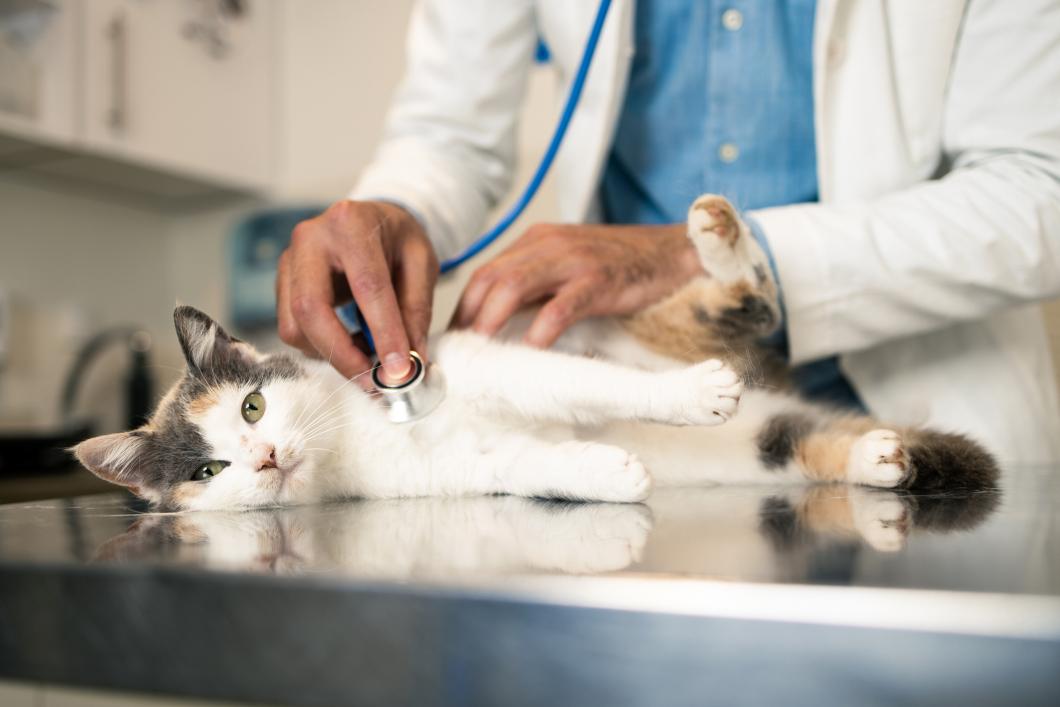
878 458
705 394
722 240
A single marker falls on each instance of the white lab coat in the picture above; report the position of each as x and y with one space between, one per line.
938 153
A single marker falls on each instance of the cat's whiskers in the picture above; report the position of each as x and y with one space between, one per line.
319 449
298 420
332 424
322 415
327 417
315 431
316 414
334 428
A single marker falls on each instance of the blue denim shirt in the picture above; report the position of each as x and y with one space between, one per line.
720 99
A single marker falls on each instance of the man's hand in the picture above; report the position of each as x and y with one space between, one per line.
582 271
379 254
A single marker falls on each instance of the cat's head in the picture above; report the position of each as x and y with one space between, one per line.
237 430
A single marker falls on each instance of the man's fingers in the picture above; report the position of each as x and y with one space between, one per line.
369 277
311 305
500 303
570 304
523 254
512 289
472 298
416 277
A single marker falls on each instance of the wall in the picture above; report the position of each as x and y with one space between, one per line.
74 264
341 61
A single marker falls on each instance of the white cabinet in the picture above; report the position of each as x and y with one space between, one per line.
37 69
141 91
183 85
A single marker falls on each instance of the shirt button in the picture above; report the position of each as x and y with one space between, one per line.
732 20
728 152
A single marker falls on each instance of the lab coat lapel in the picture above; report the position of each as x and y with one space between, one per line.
581 159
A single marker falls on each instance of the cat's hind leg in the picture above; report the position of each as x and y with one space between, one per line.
857 449
832 448
728 308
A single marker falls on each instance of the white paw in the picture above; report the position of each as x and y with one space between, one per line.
881 517
724 244
613 474
713 224
705 394
878 458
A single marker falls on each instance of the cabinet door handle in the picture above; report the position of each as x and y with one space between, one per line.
118 36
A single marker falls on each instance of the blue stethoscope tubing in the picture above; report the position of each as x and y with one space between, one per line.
350 312
487 238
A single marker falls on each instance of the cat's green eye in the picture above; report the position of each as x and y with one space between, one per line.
208 469
253 407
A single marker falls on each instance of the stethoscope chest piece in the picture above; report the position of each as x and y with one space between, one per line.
415 397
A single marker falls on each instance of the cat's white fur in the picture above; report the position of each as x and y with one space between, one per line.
515 420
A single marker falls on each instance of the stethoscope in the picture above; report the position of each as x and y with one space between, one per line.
424 388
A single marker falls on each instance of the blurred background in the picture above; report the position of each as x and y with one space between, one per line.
159 151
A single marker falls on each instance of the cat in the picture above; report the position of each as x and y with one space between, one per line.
657 390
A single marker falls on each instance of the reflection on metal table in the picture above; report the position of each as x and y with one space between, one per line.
728 594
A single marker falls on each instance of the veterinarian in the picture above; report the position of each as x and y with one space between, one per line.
899 160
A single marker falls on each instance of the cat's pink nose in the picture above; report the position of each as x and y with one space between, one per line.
267 458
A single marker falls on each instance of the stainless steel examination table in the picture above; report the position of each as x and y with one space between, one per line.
722 595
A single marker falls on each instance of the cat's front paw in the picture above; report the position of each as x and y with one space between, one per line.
612 474
878 458
881 517
705 394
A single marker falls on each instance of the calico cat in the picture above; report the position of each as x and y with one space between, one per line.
618 396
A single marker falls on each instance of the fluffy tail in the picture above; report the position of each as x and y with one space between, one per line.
949 462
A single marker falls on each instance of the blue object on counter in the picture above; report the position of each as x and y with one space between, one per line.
253 252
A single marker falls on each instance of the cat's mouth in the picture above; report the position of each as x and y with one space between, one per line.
279 477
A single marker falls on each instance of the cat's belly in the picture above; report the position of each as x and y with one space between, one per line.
688 456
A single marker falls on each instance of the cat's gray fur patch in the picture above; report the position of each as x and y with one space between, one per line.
780 436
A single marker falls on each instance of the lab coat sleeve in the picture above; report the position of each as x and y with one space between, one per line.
448 152
983 237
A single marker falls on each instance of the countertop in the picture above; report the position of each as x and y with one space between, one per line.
728 594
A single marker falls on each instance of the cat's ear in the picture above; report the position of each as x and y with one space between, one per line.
119 459
204 343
